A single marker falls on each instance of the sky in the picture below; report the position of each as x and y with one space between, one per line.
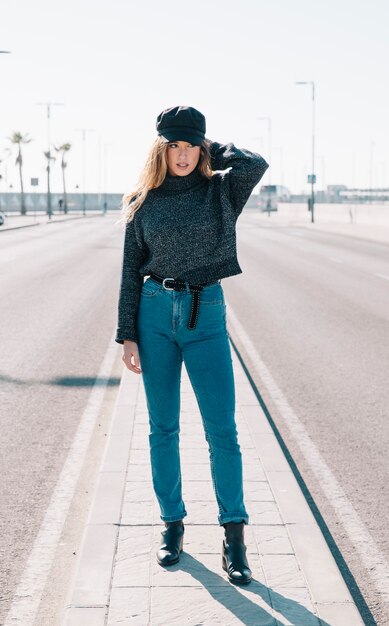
114 65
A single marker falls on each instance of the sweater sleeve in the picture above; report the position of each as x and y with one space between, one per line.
247 169
130 288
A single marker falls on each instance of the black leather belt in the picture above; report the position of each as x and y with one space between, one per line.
179 285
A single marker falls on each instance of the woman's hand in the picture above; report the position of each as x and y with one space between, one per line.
131 356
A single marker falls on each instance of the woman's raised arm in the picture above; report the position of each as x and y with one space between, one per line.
247 169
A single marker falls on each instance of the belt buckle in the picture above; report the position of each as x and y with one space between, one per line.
164 286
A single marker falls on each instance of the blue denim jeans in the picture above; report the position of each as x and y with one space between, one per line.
164 342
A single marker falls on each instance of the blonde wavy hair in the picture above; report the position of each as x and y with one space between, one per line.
153 175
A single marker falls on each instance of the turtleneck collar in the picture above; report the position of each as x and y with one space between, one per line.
179 184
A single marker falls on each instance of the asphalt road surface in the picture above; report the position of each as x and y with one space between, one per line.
58 286
314 305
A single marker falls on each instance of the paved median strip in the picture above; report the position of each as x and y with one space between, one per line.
117 579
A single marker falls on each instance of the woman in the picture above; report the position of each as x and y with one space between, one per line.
181 233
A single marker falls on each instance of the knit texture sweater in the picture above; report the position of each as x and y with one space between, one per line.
186 229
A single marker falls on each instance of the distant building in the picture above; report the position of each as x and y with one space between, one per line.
334 192
364 195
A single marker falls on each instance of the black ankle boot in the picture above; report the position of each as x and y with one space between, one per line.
234 560
172 543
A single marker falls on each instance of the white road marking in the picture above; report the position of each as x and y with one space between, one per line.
25 603
382 276
332 258
377 568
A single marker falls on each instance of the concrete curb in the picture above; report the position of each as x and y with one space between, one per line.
66 219
317 573
88 599
17 227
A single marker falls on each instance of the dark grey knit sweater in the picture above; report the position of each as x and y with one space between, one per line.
186 228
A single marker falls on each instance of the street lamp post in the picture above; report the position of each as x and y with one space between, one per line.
281 164
83 132
48 106
268 119
260 140
105 181
371 156
312 176
3 52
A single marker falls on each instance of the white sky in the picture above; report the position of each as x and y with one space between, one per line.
115 64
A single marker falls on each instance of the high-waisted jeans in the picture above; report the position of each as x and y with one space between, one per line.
164 342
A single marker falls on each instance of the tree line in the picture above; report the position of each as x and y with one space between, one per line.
17 140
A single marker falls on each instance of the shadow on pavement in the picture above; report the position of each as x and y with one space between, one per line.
83 381
64 381
245 609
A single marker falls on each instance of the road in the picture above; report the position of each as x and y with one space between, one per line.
314 305
58 287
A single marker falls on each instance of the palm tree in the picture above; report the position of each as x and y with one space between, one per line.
65 147
17 139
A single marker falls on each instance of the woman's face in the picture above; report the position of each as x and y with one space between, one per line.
182 157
